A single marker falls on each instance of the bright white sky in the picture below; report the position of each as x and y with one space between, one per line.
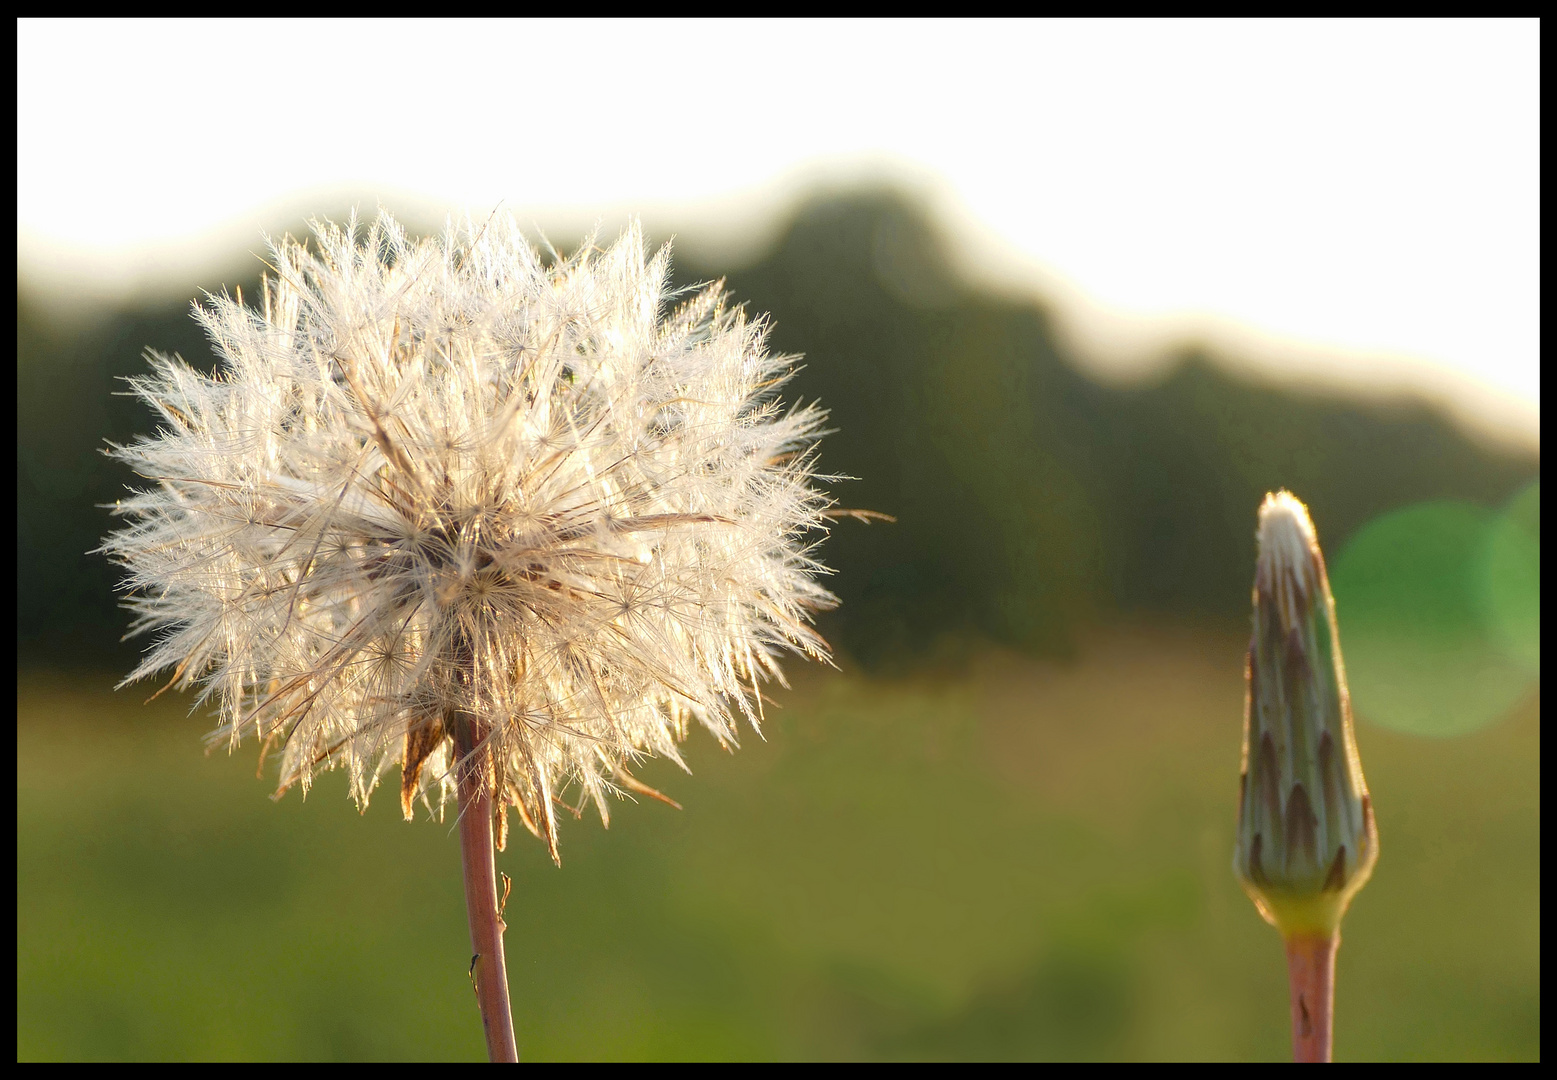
1356 200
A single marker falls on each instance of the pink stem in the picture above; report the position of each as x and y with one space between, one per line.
1311 973
488 969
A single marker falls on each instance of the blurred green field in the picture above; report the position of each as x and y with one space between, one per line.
1008 859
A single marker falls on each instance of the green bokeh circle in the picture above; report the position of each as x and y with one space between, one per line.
1433 603
1512 579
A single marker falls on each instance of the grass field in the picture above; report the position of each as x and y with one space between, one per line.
1014 860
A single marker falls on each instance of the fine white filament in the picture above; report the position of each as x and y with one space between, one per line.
445 478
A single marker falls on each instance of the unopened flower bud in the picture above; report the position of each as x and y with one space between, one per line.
1306 837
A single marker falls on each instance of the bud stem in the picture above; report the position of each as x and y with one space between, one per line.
488 971
1311 974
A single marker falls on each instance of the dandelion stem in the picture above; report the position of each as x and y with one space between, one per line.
1311 974
488 970
453 489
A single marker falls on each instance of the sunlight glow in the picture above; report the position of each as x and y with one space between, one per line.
1359 200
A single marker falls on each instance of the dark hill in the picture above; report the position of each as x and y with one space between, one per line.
1029 498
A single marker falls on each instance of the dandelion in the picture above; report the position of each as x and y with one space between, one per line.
1306 836
509 525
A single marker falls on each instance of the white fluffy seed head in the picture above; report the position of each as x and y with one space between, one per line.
443 482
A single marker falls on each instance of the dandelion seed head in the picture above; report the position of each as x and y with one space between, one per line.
443 482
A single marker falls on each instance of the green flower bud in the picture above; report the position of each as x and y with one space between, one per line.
1306 837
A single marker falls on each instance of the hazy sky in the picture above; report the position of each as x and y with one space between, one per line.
1356 198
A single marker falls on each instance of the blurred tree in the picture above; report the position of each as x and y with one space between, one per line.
1030 498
